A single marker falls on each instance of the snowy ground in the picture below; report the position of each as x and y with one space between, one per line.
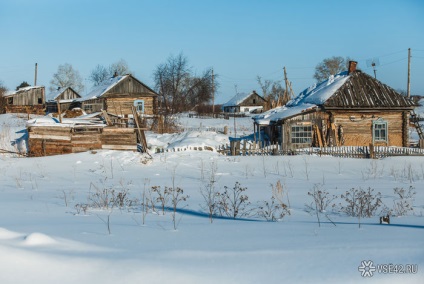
45 239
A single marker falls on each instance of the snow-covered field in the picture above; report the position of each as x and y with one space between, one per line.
47 237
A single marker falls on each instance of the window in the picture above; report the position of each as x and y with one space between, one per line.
254 101
379 131
301 134
88 108
139 106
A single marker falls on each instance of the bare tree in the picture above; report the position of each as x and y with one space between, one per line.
273 93
119 68
101 73
3 91
66 76
178 88
330 66
98 75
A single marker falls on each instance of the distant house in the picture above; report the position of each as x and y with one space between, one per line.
243 102
118 95
64 96
349 109
26 100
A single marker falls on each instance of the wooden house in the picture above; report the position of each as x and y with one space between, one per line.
26 100
118 95
243 102
65 97
349 109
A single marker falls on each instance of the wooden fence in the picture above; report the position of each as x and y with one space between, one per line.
244 148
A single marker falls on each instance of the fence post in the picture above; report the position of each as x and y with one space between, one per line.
372 152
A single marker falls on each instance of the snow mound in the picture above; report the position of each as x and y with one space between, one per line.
38 239
187 140
6 234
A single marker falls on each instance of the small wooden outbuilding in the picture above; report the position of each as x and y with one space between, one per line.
54 138
118 95
65 97
243 102
349 109
26 100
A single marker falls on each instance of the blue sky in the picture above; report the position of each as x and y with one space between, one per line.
240 39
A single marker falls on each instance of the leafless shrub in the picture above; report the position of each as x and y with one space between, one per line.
321 200
374 170
209 192
272 210
361 203
276 208
404 202
162 196
81 207
278 192
177 196
233 202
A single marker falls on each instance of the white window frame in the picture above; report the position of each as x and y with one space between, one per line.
380 131
137 104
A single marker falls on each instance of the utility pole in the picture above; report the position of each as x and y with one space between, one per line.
408 87
35 76
288 95
213 94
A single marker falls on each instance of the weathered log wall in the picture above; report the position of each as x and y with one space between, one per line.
123 105
50 140
357 127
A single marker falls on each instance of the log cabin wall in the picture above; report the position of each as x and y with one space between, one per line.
321 119
51 140
123 105
357 127
93 105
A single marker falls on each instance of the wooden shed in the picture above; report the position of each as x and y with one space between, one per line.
26 100
118 95
65 97
57 139
243 102
349 109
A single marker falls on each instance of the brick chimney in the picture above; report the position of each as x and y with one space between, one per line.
352 67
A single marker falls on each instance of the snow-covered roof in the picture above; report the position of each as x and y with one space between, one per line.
11 93
98 91
53 95
237 99
307 100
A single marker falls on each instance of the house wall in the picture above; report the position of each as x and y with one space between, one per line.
93 105
68 94
253 100
310 119
357 127
29 97
122 105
